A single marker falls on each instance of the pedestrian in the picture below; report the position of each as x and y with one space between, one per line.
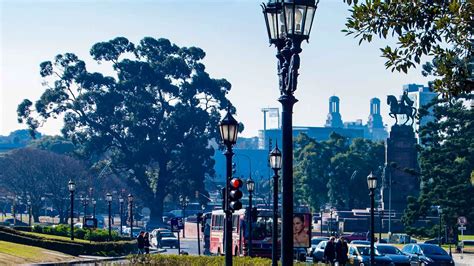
341 251
146 243
330 251
141 242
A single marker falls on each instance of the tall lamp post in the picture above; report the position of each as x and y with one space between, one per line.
184 201
72 187
228 128
250 189
372 184
440 212
275 164
130 209
108 197
288 25
121 213
28 202
94 203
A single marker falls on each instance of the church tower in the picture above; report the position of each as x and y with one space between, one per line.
334 117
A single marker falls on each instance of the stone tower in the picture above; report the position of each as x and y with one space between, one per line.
334 117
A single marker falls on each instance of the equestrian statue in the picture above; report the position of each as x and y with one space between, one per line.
404 107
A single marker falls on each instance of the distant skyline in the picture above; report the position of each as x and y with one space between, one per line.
233 35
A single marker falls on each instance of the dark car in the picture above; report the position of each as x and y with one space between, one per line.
15 222
359 255
429 254
397 256
167 239
355 236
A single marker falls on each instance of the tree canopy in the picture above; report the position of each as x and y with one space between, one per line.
446 162
325 171
439 29
152 120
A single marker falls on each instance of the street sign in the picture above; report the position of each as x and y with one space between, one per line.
177 224
461 228
462 220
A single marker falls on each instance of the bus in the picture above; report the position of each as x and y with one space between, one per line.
261 233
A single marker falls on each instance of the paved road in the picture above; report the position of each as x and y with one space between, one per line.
188 245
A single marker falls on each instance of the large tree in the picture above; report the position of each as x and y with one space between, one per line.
440 29
326 171
33 173
153 119
446 162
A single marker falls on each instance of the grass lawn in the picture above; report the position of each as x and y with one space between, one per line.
466 237
12 253
66 238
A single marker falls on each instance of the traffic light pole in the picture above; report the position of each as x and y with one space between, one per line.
228 213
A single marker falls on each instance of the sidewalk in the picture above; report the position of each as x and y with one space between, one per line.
467 260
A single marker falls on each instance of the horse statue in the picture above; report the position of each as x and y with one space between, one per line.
400 108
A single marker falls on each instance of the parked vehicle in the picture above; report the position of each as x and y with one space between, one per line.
355 236
155 235
15 222
396 255
318 253
428 254
314 243
167 239
360 242
360 255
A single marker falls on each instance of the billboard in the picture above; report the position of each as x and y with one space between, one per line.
301 230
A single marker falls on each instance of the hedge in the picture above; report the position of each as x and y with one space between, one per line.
68 246
185 260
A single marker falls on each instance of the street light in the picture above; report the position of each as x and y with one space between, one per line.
121 213
275 164
108 197
229 129
440 212
94 202
130 210
72 187
288 23
85 202
29 210
183 201
372 184
250 189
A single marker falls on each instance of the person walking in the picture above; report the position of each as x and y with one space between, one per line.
141 242
341 251
146 243
330 251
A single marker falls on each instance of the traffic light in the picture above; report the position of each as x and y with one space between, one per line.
235 194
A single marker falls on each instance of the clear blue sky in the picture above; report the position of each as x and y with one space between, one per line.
231 32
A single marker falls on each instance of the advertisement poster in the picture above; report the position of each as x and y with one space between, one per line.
301 230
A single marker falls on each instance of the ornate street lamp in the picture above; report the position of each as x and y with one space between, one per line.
275 164
72 187
28 202
94 203
372 184
130 209
184 201
229 129
250 189
108 197
121 213
288 22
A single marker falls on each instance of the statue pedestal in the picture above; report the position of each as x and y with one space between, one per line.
401 155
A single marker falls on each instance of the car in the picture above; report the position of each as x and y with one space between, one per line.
360 255
299 254
355 236
396 255
318 253
155 234
15 222
314 242
167 239
360 242
428 254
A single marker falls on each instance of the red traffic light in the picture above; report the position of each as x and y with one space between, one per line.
236 183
